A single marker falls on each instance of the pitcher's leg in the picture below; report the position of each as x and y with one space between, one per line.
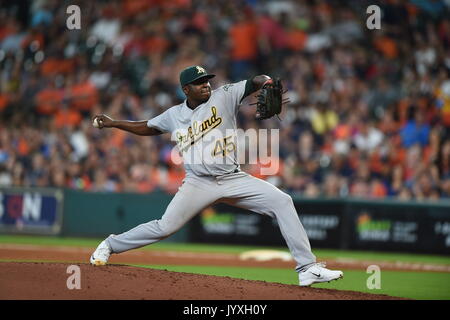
185 205
262 197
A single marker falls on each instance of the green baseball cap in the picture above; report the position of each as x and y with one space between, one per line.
193 73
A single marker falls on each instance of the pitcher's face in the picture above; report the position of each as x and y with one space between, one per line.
199 90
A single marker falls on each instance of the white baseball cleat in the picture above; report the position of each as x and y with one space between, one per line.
318 273
101 254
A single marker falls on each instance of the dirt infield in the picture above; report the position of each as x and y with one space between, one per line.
36 281
48 278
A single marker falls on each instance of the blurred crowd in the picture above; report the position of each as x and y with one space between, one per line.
369 111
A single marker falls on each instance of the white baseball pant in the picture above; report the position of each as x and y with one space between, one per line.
238 189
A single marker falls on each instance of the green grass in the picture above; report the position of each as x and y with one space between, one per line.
83 242
192 247
48 241
414 285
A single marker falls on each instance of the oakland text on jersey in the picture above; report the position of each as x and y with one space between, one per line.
196 132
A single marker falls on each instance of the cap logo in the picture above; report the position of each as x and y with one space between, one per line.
200 69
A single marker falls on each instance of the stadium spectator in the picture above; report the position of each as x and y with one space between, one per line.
244 43
369 114
416 130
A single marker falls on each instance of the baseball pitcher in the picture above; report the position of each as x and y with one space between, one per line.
213 173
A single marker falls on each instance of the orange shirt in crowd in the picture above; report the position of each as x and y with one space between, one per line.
3 101
319 70
67 117
445 109
133 7
427 154
375 163
173 180
156 44
378 190
23 148
397 156
145 186
296 40
52 66
342 131
48 101
389 127
244 38
150 183
387 46
446 116
84 96
169 181
200 21
117 138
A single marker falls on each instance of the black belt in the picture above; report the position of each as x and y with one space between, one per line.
221 175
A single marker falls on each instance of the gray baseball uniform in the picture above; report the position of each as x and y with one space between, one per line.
213 175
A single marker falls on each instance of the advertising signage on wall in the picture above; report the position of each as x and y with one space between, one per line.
399 227
385 230
321 227
36 211
223 223
442 232
349 224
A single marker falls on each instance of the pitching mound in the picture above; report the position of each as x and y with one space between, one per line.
33 281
